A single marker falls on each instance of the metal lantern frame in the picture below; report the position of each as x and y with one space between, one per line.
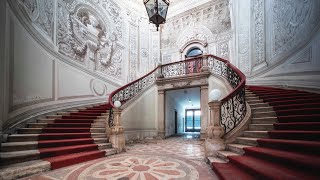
157 11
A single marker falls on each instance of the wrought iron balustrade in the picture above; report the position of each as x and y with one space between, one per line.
233 107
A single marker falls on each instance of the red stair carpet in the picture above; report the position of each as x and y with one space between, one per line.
68 140
292 150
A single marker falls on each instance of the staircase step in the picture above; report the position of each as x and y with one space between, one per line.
237 148
228 171
261 127
247 141
306 126
252 98
267 170
263 114
211 160
295 135
259 105
261 109
311 147
7 158
19 146
51 136
67 160
255 101
53 116
20 170
288 159
264 120
256 134
110 151
224 155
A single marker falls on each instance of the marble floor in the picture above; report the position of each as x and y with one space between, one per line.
179 157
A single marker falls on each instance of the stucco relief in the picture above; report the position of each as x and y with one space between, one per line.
224 50
214 16
85 33
243 38
40 13
133 52
292 23
259 33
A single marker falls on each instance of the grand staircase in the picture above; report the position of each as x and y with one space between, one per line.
59 140
283 139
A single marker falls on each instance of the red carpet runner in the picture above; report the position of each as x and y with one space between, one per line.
68 141
292 150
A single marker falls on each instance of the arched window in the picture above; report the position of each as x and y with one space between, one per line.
193 52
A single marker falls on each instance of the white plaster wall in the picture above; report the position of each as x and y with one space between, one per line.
38 81
171 105
140 115
31 68
218 83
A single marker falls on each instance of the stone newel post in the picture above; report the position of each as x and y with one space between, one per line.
117 137
214 142
107 126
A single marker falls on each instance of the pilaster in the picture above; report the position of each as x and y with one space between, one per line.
161 121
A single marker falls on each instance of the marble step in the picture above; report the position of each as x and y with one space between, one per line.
110 151
20 170
256 134
264 120
39 130
33 145
260 127
252 98
254 101
263 114
259 105
34 137
237 148
211 160
247 141
224 155
41 120
44 125
261 109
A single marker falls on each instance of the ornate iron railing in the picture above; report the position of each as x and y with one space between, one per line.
182 68
233 107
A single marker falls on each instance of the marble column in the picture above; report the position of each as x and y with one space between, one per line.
204 110
117 138
161 122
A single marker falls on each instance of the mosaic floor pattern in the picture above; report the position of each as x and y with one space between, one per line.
178 158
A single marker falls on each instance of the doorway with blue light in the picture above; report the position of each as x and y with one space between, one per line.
182 111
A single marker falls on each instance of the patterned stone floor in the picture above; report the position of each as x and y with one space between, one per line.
173 158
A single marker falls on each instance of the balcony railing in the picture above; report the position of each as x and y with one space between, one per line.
233 107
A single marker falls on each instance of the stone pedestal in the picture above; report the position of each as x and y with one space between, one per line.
107 126
117 138
214 142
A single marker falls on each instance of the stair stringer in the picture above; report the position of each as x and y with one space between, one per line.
238 130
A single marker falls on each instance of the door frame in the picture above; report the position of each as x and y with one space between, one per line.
185 115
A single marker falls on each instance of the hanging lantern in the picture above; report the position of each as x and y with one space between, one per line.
157 11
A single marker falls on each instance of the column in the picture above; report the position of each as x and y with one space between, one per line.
161 123
204 99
